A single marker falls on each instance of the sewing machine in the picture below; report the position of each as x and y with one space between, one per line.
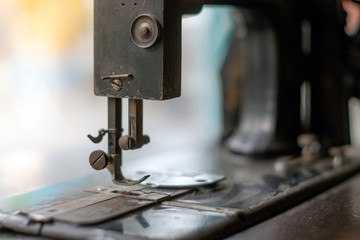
286 82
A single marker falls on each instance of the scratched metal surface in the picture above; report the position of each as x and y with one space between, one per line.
334 214
253 187
169 222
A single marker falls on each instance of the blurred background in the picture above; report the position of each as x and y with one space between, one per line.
47 106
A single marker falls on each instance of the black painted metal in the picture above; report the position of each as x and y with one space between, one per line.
329 105
269 103
331 215
155 71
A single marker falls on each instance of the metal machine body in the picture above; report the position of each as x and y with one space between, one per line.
281 145
138 56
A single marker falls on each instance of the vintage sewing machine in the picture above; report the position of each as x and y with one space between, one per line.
286 82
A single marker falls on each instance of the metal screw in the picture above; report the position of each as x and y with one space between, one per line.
306 139
144 30
117 84
126 142
98 160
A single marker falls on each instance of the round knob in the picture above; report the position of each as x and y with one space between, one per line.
99 160
145 31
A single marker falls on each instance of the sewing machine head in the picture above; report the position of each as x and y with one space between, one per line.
136 57
278 53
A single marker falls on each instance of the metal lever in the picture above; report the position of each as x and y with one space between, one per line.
102 133
120 76
116 80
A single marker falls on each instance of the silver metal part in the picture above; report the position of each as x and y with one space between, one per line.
178 179
228 211
140 194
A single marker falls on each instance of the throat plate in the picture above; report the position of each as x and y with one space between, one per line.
178 179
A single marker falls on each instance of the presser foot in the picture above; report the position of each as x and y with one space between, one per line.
129 182
117 177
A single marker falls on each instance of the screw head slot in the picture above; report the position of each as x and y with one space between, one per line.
98 160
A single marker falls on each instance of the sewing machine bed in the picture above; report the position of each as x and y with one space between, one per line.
248 201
